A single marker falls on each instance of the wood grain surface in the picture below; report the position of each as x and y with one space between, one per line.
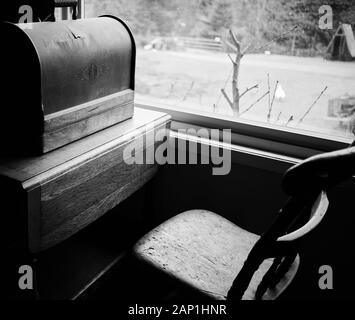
206 251
72 124
69 188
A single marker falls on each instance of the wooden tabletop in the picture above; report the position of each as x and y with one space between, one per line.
22 169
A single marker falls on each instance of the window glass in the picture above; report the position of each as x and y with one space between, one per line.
291 63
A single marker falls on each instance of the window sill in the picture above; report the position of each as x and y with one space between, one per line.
284 141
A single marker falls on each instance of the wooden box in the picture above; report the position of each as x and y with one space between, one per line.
64 81
46 199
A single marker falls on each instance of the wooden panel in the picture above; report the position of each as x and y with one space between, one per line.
28 170
67 189
73 220
14 226
33 218
63 127
85 262
55 139
86 110
73 200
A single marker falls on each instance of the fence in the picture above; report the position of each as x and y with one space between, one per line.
183 43
201 43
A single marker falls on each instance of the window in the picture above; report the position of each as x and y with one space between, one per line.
65 13
297 73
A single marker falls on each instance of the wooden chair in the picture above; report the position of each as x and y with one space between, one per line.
221 260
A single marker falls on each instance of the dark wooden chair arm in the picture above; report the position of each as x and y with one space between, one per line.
320 172
318 212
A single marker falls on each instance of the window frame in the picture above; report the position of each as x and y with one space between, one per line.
65 12
289 142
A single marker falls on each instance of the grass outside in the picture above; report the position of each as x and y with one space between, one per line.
194 80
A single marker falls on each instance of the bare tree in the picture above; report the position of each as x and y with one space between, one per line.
235 46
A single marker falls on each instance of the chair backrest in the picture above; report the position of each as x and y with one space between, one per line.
318 212
306 183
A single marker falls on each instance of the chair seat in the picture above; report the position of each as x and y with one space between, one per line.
206 251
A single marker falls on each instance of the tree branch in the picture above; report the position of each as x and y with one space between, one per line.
282 35
246 49
235 40
311 106
233 47
248 89
231 59
273 96
269 102
227 98
289 121
278 117
262 97
272 99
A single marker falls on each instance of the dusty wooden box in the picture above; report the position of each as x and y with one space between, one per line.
63 81
48 198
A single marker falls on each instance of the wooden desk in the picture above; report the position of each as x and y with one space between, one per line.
51 197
